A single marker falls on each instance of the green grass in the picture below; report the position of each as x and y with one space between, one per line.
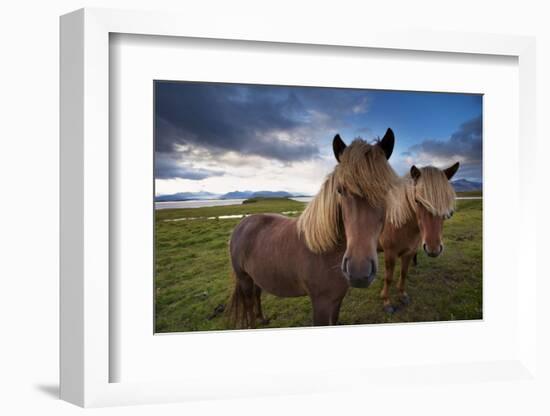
469 193
193 271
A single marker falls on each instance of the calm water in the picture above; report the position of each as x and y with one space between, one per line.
221 202
210 203
197 203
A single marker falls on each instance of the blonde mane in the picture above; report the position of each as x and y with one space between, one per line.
400 204
363 171
320 223
432 189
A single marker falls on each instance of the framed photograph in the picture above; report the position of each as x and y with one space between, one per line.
284 212
236 164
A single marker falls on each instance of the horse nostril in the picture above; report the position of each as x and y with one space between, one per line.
372 268
345 263
432 253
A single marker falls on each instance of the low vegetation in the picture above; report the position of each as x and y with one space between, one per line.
469 194
193 282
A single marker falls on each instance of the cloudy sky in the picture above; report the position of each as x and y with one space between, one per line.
224 137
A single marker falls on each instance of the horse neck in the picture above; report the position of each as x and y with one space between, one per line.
412 224
406 232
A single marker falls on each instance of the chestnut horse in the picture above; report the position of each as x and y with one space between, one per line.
415 212
331 246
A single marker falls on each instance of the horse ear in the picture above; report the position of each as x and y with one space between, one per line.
387 143
415 172
450 171
338 146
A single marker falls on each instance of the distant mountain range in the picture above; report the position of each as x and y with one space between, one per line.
462 185
257 194
188 196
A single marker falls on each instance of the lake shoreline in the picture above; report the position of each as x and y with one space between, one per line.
201 203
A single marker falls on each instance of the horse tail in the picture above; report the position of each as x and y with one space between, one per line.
242 305
237 306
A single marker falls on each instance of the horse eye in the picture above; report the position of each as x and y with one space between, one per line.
340 190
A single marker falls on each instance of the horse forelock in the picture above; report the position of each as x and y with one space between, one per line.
432 190
363 171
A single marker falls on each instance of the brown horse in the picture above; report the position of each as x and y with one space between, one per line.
331 246
415 212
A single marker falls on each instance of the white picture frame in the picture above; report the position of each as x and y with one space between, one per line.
85 265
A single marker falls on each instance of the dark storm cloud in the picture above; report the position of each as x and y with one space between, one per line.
273 122
464 145
166 167
465 142
230 118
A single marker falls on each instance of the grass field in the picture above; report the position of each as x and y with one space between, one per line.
469 193
193 281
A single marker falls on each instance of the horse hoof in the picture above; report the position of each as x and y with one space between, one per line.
389 309
405 300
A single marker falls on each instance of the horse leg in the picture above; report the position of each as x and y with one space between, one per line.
326 311
244 297
405 262
321 312
335 313
259 312
389 263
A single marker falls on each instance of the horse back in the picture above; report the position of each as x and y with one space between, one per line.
250 232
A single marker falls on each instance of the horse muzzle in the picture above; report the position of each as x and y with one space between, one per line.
432 253
360 277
